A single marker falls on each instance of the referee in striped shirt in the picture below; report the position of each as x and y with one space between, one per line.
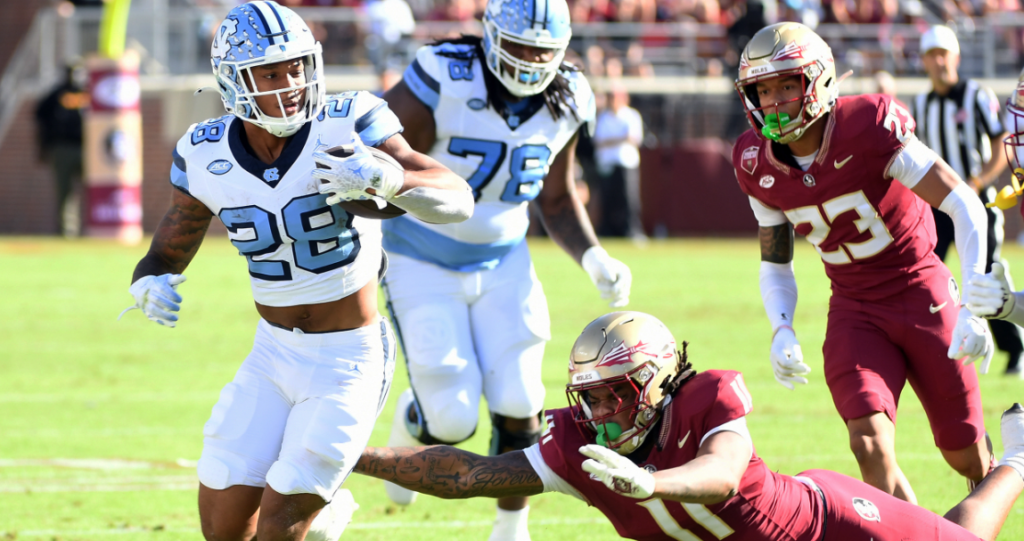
959 119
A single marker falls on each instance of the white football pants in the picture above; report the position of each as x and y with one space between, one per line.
470 333
300 410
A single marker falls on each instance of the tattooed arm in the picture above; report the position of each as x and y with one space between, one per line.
177 238
776 243
451 473
560 208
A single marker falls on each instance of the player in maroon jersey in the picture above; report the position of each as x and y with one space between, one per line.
664 452
849 174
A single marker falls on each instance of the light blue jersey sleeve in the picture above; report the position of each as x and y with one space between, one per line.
422 77
375 121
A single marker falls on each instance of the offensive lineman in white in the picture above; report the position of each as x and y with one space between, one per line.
288 430
503 111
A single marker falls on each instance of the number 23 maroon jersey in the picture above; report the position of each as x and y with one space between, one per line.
768 506
874 235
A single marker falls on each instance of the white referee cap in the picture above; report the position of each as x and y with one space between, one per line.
940 37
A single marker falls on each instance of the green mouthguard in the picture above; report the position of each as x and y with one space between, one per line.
773 126
607 433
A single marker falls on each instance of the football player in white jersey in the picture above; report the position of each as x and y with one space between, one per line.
503 111
288 429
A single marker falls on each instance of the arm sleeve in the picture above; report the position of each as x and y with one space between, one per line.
552 482
778 292
375 122
987 109
738 426
422 78
766 216
912 163
179 172
969 226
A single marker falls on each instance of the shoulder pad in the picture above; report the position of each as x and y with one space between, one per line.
464 51
208 131
582 94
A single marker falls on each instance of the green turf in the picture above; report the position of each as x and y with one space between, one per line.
76 384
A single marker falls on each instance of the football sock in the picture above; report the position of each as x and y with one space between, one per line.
511 525
1012 425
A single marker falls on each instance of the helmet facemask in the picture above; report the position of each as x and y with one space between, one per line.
633 396
240 45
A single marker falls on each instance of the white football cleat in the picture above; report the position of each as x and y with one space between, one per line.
1011 425
333 518
400 437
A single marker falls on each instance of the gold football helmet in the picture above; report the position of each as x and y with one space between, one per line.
786 50
630 347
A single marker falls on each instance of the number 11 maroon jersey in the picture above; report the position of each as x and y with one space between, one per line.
767 506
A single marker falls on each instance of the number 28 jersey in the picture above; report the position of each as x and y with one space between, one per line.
504 158
874 235
300 250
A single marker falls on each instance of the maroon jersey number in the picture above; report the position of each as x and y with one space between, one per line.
700 514
869 221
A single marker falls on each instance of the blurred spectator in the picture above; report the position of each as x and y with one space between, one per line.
808 12
594 66
885 83
864 11
750 20
613 68
617 141
59 128
635 64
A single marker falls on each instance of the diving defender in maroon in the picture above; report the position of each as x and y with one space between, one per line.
664 452
849 175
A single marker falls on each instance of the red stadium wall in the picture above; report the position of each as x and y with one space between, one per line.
691 189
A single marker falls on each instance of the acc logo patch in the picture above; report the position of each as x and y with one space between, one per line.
650 468
954 291
476 104
809 181
767 181
866 510
748 160
219 167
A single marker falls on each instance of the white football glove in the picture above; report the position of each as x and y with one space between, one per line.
611 276
990 295
972 340
788 359
157 297
347 179
617 472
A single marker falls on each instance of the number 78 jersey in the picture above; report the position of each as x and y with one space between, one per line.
504 158
874 235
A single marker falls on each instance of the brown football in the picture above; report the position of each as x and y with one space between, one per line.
376 208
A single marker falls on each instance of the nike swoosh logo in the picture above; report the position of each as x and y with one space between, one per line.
839 165
682 442
933 308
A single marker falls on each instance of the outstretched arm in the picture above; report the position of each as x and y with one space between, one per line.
451 473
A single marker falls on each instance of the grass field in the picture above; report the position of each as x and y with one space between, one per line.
101 421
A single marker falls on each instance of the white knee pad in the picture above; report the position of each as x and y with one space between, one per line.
219 469
306 474
452 422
